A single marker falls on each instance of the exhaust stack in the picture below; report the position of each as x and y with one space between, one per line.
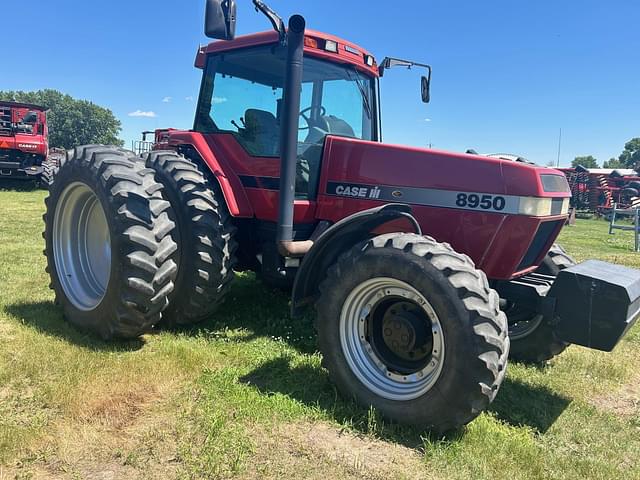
289 140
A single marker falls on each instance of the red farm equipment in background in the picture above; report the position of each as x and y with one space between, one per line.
427 268
24 144
598 189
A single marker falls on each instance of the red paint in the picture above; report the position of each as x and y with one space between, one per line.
264 202
36 143
496 242
271 37
232 190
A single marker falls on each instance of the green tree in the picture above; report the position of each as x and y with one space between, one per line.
587 162
630 157
613 163
72 122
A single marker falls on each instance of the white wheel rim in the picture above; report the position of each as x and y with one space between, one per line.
358 333
82 246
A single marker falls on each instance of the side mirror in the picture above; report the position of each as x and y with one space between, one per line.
220 19
426 89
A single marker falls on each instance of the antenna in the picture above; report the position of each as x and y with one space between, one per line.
559 146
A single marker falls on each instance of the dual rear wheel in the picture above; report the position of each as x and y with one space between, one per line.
132 242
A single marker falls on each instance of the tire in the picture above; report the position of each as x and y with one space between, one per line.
466 344
537 342
205 238
108 242
50 169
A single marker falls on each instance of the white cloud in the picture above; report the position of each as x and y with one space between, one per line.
140 113
166 99
189 99
427 119
220 100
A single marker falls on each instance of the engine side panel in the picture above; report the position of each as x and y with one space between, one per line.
499 238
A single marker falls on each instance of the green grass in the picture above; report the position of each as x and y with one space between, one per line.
244 395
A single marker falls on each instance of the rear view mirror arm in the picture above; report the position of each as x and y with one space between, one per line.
390 62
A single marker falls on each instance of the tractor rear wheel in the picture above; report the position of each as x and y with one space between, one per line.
204 234
409 326
108 242
532 338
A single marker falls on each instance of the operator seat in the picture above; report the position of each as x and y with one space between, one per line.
338 127
262 131
328 125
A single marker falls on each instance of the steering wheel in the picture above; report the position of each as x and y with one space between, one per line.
323 111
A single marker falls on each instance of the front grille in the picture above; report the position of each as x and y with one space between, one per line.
539 244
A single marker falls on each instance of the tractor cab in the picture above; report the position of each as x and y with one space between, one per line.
242 97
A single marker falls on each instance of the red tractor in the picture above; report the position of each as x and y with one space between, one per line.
425 267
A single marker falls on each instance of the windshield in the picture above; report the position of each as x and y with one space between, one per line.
242 94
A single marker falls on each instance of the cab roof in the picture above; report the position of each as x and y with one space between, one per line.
315 43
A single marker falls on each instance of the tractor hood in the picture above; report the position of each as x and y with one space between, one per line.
504 214
413 172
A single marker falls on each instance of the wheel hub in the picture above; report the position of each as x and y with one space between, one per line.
405 332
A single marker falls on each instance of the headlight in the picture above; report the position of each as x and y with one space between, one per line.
543 207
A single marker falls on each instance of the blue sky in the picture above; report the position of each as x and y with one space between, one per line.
507 74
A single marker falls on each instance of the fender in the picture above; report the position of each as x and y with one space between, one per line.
232 189
337 239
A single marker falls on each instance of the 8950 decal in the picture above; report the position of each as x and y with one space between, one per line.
483 202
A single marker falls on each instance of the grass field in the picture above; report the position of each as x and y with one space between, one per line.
243 395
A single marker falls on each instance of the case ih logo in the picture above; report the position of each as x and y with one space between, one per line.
28 145
354 191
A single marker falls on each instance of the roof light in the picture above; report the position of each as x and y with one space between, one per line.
310 42
331 46
352 50
369 60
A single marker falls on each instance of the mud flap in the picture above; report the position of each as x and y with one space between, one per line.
596 303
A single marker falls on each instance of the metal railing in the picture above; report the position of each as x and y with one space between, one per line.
626 213
140 147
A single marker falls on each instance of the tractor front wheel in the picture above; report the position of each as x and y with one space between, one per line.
409 326
532 338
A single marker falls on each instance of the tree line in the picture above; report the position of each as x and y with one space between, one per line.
71 121
629 158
